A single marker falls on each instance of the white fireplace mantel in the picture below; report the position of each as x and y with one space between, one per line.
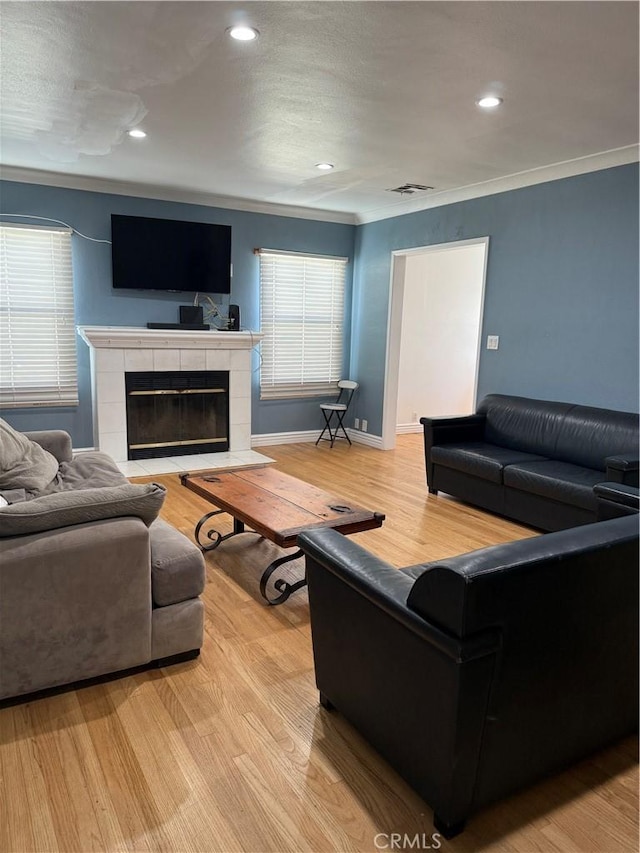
132 337
116 350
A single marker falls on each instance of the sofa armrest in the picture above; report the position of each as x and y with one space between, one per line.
622 469
462 422
75 603
616 499
522 583
380 583
446 431
418 695
55 441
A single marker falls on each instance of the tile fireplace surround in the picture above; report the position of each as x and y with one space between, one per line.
116 350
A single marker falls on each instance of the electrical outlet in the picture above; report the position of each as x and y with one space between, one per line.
493 341
356 423
364 425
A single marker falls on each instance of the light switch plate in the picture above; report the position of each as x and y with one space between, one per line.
493 341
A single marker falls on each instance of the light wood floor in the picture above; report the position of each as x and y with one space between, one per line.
232 753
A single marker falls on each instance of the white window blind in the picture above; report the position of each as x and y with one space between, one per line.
37 326
302 319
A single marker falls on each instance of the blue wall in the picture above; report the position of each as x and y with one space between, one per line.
97 304
561 290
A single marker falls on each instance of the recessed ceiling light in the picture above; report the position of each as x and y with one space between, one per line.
325 167
489 102
243 33
137 134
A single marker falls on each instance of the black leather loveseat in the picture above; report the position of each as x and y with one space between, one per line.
477 675
532 460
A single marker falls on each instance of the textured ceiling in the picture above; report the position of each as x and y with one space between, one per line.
384 90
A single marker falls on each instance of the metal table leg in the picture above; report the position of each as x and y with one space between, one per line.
284 587
238 527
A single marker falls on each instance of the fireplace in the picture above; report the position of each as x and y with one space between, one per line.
118 350
176 413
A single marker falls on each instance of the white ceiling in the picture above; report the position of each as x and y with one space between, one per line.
384 90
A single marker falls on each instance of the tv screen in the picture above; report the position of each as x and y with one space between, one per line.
167 254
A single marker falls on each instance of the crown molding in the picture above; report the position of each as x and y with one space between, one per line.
518 180
104 185
541 175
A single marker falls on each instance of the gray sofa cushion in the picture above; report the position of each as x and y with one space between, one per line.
479 459
177 566
560 481
90 470
55 441
23 463
12 496
63 509
177 629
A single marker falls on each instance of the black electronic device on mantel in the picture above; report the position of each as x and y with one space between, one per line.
191 314
168 254
234 318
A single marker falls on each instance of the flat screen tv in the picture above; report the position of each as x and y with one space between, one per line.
167 254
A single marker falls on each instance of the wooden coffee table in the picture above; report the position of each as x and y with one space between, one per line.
277 507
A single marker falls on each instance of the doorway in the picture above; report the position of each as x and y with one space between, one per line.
433 342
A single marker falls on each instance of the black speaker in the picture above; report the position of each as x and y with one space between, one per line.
190 314
234 318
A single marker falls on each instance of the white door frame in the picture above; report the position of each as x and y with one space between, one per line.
394 329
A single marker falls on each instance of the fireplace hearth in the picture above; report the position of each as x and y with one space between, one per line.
176 413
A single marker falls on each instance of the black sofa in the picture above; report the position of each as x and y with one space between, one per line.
535 461
477 675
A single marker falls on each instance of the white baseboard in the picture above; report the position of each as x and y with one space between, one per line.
360 437
405 429
267 438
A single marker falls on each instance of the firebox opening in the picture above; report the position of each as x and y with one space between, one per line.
177 413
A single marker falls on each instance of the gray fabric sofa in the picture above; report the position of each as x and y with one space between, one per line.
82 600
535 461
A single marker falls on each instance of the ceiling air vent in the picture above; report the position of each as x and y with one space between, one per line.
408 189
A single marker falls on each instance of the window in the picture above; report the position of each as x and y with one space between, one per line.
37 327
302 318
